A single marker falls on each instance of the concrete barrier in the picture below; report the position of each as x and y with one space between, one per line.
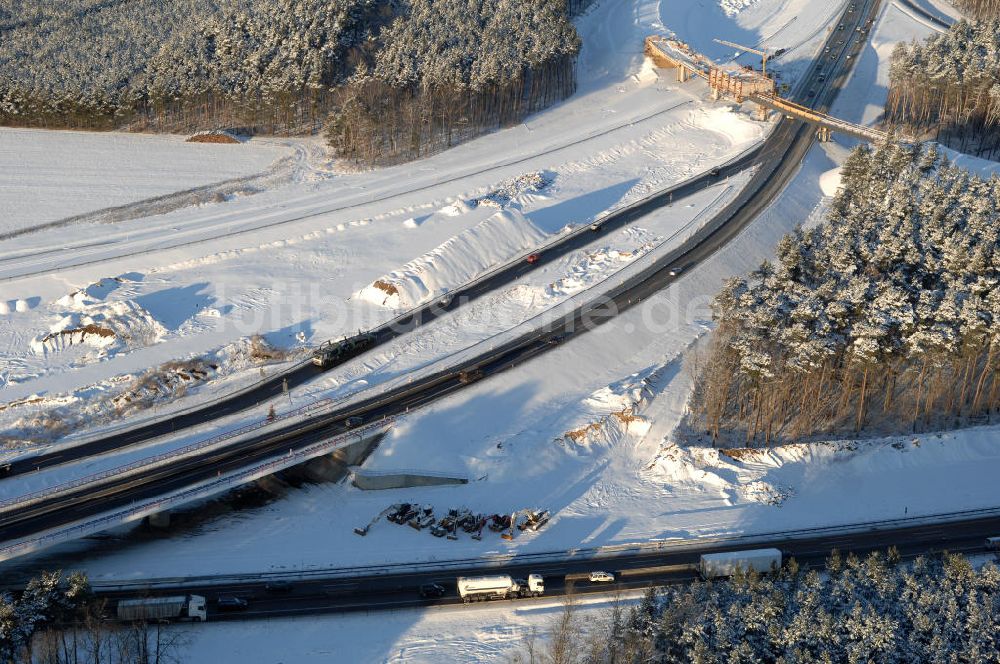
369 480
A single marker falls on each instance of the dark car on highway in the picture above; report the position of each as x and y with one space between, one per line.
230 603
431 590
278 587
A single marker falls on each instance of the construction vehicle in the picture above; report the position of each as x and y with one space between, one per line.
449 524
164 609
477 531
386 512
332 353
765 55
536 520
499 522
484 588
424 518
402 512
532 520
511 521
714 565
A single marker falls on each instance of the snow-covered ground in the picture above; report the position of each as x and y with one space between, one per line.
545 294
481 634
559 434
46 176
586 430
297 261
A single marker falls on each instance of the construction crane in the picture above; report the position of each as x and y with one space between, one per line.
763 54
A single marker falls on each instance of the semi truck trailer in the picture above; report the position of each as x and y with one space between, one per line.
482 588
714 565
181 607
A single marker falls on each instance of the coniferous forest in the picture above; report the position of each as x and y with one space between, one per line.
948 86
885 317
390 80
871 609
449 70
983 9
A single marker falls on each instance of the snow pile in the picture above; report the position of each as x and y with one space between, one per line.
457 208
38 419
493 241
221 136
508 191
615 412
595 266
98 290
734 7
108 326
829 182
726 121
695 470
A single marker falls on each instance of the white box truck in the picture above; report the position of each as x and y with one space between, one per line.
482 588
181 607
714 565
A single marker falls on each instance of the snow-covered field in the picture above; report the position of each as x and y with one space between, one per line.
46 176
586 430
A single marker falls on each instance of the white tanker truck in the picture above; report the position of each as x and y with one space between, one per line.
482 588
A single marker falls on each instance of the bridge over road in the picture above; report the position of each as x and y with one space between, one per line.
742 85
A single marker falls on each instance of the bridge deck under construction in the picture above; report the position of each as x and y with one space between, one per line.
744 85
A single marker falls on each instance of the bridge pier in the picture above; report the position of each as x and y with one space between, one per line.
160 520
682 74
761 112
824 134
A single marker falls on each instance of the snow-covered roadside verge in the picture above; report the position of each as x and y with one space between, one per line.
219 313
485 634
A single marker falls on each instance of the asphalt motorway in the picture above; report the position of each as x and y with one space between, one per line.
316 595
768 156
780 156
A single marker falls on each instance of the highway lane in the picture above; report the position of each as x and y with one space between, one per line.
366 592
273 386
782 153
938 22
